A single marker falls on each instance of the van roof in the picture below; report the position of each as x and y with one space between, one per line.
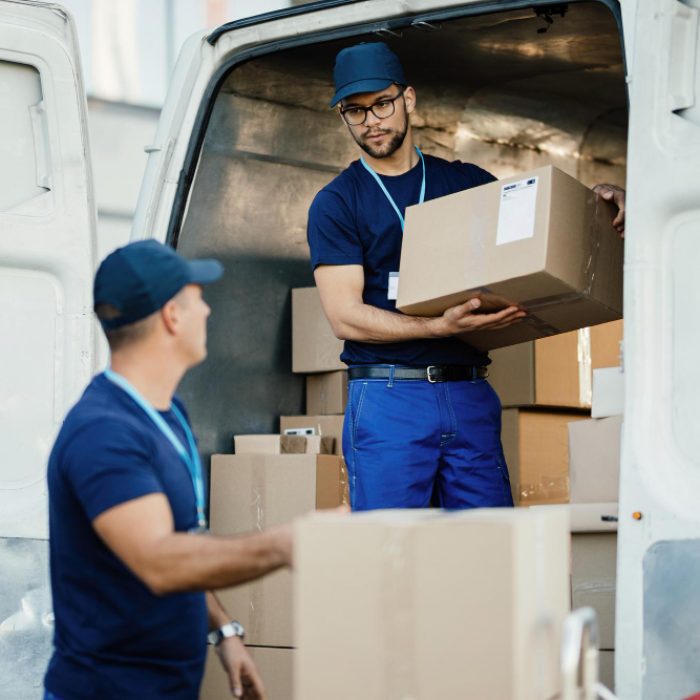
276 14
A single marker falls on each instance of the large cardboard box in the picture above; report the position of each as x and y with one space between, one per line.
331 426
417 618
252 492
314 346
327 393
536 447
555 371
275 665
540 240
594 460
593 579
283 444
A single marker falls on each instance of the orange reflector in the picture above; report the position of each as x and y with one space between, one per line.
637 515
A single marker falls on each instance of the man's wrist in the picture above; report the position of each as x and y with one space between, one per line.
434 327
233 628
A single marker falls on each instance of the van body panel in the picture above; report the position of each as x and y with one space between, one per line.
47 239
660 470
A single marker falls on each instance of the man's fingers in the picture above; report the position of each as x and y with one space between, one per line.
236 685
256 688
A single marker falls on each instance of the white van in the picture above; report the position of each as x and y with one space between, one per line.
606 91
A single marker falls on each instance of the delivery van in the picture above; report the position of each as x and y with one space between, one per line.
606 91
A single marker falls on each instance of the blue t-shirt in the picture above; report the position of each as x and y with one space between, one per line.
351 222
114 639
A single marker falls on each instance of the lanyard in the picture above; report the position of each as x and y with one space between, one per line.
190 458
386 192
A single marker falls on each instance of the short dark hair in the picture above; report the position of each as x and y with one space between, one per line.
125 335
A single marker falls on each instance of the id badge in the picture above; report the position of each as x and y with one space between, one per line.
393 292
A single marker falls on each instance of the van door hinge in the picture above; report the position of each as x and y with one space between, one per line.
388 33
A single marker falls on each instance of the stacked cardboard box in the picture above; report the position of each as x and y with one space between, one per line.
554 452
259 487
276 668
593 572
316 352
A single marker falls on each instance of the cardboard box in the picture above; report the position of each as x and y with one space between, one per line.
314 346
536 447
331 426
608 392
421 620
593 579
327 393
554 371
594 460
275 665
540 240
284 444
252 492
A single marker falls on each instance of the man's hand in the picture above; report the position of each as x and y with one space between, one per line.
243 676
463 318
615 194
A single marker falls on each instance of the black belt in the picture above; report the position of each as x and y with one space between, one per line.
434 373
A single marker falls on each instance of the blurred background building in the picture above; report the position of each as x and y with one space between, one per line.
129 49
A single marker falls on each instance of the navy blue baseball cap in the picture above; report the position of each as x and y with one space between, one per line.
141 277
365 68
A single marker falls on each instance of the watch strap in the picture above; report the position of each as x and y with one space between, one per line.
230 629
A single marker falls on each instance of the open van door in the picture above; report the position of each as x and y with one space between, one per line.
47 241
658 606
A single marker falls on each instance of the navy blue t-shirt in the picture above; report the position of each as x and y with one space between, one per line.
114 639
351 222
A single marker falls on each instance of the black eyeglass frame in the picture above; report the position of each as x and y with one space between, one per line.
371 107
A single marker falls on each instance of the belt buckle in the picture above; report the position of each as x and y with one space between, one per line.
431 379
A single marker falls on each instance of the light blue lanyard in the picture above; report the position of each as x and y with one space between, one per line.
190 458
386 192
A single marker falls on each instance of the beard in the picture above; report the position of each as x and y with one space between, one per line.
387 149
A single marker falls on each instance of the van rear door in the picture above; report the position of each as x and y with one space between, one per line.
659 548
47 242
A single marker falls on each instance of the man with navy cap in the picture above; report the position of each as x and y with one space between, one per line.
130 557
421 421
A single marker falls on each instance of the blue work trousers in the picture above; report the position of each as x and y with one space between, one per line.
410 442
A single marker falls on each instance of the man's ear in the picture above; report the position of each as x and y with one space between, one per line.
170 313
409 95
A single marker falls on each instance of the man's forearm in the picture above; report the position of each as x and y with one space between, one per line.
217 615
370 324
187 562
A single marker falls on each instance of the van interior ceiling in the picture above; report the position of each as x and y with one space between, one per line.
510 91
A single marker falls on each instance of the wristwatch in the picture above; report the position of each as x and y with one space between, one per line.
230 629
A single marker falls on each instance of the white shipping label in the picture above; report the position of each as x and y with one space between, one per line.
393 292
516 212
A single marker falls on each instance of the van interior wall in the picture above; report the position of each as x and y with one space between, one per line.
492 90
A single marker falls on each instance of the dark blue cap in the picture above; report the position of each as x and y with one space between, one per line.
365 68
141 277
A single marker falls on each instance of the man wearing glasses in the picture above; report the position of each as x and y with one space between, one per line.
421 422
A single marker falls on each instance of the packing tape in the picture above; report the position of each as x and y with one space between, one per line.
588 278
258 510
344 486
549 488
585 371
398 610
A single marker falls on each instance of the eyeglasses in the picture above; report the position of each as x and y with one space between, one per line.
384 108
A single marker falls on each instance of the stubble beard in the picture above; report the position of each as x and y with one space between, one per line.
388 148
